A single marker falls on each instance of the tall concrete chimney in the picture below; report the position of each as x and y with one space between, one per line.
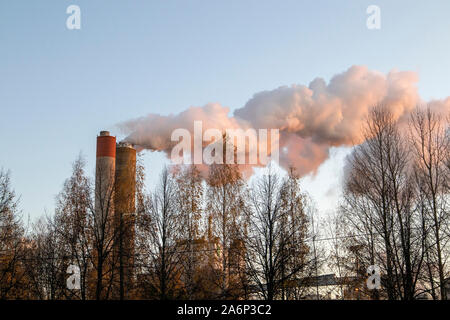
115 184
124 213
104 176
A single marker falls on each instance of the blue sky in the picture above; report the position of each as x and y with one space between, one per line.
60 87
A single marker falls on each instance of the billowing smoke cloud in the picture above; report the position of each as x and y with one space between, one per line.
311 119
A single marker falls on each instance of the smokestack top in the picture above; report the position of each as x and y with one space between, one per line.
106 145
124 144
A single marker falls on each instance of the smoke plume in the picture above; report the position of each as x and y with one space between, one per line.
311 119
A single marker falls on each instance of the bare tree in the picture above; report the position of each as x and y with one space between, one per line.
379 193
46 261
189 208
72 224
164 268
430 145
338 253
276 250
301 262
11 241
224 205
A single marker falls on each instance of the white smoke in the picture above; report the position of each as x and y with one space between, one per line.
311 119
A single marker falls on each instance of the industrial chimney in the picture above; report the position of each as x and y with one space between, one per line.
115 185
104 176
124 213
